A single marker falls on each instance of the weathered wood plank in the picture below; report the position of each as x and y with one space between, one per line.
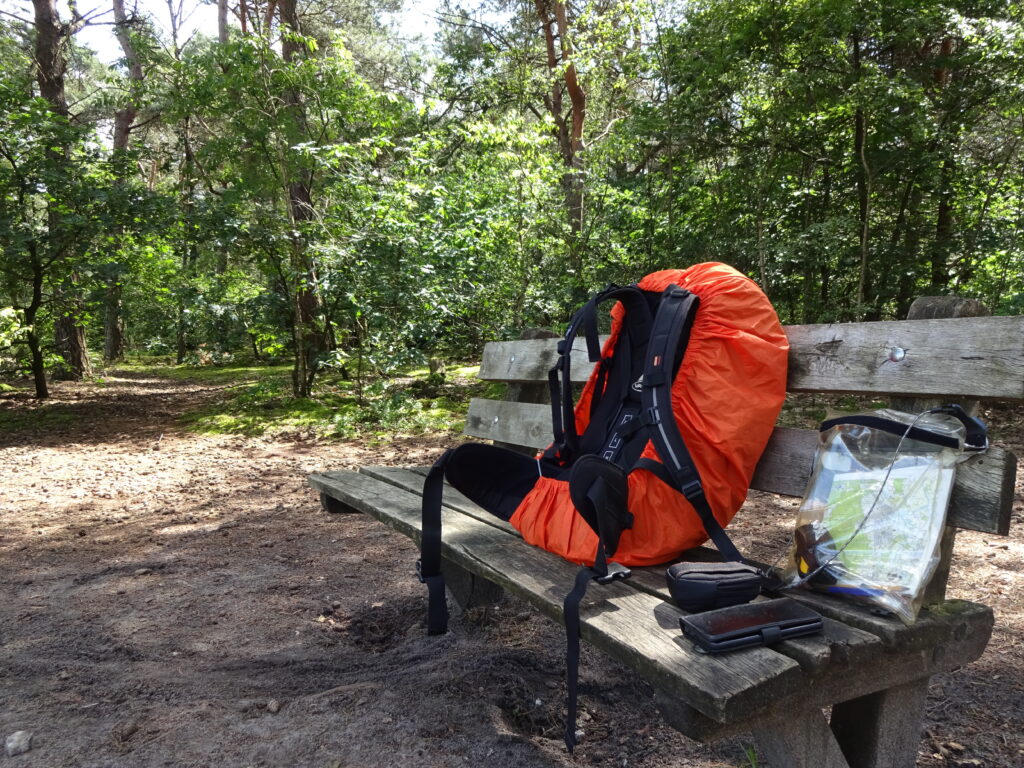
412 481
787 461
896 667
976 356
935 625
634 627
526 424
838 647
982 498
530 360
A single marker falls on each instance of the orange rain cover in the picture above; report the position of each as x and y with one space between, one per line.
726 398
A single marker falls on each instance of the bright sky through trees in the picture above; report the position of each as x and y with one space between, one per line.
416 20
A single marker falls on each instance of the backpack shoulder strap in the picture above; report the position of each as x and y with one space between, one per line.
563 415
669 337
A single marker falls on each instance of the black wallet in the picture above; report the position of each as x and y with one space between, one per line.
744 626
703 586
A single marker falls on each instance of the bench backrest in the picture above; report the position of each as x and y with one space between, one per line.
955 359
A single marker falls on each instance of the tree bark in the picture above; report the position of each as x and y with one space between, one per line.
222 21
308 335
52 36
113 317
113 322
863 190
51 54
31 312
944 226
568 126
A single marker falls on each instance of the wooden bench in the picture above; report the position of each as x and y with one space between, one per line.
870 669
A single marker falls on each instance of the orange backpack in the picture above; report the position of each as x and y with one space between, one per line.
658 453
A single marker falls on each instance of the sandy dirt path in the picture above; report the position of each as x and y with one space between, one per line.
168 599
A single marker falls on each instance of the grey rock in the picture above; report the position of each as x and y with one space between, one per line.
18 743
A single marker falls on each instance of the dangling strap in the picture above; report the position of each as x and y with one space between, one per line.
602 497
428 567
669 338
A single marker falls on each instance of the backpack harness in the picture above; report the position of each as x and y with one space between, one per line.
631 404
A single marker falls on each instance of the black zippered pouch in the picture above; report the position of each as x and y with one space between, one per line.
746 626
704 586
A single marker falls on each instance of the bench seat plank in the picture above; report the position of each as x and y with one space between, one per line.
411 480
982 498
851 633
634 627
976 356
942 623
711 696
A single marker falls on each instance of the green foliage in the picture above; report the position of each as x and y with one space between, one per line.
850 156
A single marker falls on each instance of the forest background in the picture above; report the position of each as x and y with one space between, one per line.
302 184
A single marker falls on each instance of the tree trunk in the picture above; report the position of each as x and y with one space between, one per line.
31 312
52 36
863 190
308 335
568 127
113 323
51 54
69 336
944 226
113 318
222 21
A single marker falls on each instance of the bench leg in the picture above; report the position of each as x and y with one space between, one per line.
467 589
883 729
800 741
332 505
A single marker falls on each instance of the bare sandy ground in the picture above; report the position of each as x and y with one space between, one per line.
183 601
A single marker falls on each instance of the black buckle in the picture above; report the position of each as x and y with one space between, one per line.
692 490
653 416
616 572
419 572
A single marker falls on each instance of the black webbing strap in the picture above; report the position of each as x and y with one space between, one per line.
893 427
669 338
571 608
599 572
563 416
428 567
563 421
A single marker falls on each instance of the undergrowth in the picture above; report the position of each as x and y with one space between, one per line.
413 403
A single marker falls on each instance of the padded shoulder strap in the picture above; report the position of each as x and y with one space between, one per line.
563 416
669 338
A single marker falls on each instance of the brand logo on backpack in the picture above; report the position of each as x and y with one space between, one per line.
638 385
